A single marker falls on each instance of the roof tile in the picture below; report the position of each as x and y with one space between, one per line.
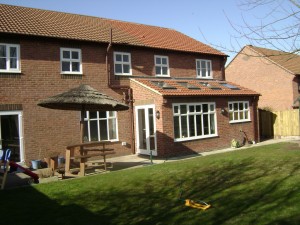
286 60
212 88
37 22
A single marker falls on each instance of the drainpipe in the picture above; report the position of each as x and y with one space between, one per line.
127 94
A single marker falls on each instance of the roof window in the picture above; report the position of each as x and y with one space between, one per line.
206 84
163 85
232 87
189 86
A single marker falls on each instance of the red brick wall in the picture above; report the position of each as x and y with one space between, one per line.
180 64
48 131
275 84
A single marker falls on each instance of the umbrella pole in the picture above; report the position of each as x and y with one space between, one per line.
82 129
82 125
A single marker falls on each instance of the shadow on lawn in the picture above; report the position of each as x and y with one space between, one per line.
28 206
241 191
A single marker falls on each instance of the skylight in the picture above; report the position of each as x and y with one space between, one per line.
210 86
163 85
189 86
232 87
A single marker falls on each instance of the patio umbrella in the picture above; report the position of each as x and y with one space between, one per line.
83 98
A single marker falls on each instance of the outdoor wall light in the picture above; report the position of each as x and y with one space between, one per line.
157 114
223 111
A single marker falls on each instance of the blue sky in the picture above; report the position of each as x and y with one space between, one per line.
207 21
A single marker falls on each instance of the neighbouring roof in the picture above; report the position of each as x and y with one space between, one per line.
37 22
182 87
288 61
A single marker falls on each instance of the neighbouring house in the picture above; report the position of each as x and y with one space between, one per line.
274 74
179 101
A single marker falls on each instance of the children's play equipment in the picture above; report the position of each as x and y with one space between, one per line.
7 165
198 204
28 172
4 166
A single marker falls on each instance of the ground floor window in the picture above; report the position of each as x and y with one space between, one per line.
100 126
239 111
194 121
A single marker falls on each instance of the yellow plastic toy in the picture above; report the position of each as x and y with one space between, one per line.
197 204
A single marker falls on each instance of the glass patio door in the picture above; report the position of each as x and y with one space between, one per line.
11 134
145 130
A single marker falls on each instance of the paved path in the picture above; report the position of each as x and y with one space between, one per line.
141 160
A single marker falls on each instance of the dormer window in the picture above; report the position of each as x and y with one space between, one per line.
161 65
204 70
122 63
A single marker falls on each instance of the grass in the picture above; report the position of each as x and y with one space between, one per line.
259 185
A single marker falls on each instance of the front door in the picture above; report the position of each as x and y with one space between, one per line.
145 130
11 134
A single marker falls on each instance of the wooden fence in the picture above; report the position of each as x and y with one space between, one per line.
279 123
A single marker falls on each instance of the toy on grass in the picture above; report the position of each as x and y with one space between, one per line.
198 204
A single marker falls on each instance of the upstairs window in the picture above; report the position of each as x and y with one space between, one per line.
9 58
122 62
100 126
239 111
203 68
161 65
70 59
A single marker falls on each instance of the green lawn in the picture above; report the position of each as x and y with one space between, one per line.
259 185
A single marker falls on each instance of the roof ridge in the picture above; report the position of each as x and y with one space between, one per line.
91 16
57 24
256 49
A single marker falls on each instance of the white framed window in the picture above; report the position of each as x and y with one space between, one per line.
9 58
238 111
204 69
70 59
161 65
194 121
122 63
100 126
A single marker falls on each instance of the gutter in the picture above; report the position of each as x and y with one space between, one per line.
127 94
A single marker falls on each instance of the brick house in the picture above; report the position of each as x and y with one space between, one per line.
174 85
273 74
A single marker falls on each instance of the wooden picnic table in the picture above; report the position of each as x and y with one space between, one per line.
86 151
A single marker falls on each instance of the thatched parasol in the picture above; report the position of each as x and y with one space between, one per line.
83 98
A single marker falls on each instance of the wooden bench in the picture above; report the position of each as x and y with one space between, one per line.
84 154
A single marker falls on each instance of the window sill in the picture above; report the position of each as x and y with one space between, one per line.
205 78
240 121
10 72
70 73
119 74
162 75
195 138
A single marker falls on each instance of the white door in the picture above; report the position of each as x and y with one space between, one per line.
145 130
11 133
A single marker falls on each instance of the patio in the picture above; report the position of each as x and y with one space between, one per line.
125 162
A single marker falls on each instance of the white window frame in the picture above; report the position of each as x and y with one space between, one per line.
208 69
109 116
237 112
161 65
192 114
122 63
8 58
70 60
